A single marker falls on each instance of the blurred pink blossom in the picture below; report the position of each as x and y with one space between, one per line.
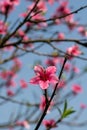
43 104
51 2
23 83
3 27
61 36
49 123
76 89
83 106
23 123
6 6
82 31
73 51
10 93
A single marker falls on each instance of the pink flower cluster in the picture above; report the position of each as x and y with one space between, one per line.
8 77
6 6
64 10
40 6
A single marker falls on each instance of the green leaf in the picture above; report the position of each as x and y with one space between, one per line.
68 112
65 106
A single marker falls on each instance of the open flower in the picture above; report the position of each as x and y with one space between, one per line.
44 76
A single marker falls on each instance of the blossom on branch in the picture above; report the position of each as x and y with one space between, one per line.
3 27
44 76
61 36
10 93
73 51
14 2
24 123
43 104
49 123
82 31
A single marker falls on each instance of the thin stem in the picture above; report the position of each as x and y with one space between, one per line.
48 104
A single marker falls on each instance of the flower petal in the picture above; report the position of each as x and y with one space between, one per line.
44 84
35 80
38 69
53 78
51 70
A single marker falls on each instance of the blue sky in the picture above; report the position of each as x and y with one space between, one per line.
28 60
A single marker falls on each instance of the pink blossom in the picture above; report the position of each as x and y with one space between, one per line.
61 36
21 33
57 21
61 84
17 63
14 2
76 89
6 7
40 17
23 84
10 83
64 10
82 31
73 51
83 106
6 74
41 6
51 2
30 45
23 123
25 38
8 48
43 104
3 27
67 67
24 14
76 69
44 76
50 123
10 93
71 24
